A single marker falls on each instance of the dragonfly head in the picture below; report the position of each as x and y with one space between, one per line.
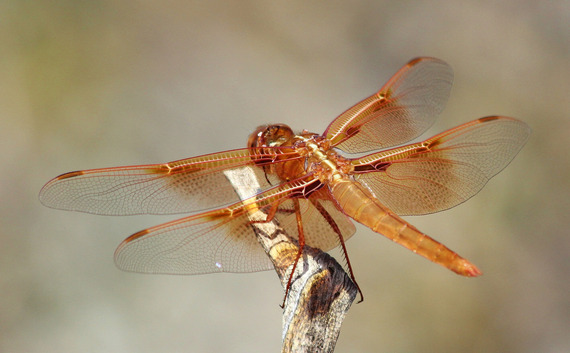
271 136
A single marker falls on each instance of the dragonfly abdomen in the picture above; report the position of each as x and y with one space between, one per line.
361 205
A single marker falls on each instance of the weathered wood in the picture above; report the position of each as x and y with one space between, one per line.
320 293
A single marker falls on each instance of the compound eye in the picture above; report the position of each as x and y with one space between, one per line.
278 135
278 141
270 136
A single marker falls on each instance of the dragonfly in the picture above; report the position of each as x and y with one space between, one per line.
360 168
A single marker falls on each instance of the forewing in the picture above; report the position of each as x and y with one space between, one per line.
182 186
444 170
401 111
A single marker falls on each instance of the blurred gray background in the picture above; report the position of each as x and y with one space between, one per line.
88 84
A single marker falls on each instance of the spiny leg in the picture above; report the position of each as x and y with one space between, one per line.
336 229
301 246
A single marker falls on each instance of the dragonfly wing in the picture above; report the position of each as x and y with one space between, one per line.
182 186
401 111
205 243
444 170
221 240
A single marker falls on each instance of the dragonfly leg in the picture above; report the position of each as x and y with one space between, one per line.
336 229
301 247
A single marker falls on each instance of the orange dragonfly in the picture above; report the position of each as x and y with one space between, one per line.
304 177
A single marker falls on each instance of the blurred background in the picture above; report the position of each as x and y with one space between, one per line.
89 84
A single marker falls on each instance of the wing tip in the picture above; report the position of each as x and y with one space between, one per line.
70 175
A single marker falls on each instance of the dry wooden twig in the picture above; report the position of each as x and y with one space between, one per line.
320 292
